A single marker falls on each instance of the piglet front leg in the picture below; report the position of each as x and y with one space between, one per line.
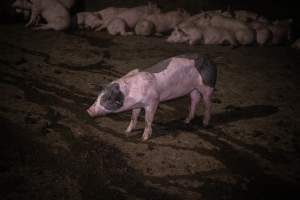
34 16
134 120
149 115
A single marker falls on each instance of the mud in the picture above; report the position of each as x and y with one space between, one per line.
51 149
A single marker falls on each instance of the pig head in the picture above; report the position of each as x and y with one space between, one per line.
109 100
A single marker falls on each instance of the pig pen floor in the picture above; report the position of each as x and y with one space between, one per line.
51 149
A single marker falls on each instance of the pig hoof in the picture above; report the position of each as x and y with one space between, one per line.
187 121
128 130
206 125
145 137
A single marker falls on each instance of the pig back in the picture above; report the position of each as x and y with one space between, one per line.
179 75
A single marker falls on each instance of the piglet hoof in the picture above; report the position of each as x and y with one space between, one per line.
145 137
187 121
206 125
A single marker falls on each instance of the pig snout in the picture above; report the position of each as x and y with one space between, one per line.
92 111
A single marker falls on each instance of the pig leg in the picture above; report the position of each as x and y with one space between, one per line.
149 115
195 98
34 15
134 119
206 96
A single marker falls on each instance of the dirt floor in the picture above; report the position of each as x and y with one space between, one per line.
51 149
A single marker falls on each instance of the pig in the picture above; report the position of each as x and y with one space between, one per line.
88 20
263 33
281 31
171 78
107 15
118 26
129 18
296 44
144 28
243 33
203 35
245 16
55 14
163 22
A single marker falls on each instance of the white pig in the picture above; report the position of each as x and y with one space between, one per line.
178 76
129 18
88 20
144 28
163 22
263 33
243 33
203 35
107 15
118 26
55 14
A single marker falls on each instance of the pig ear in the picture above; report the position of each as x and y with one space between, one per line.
132 72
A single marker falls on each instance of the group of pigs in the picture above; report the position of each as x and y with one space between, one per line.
208 27
233 28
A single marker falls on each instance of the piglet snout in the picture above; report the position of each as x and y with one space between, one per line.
91 111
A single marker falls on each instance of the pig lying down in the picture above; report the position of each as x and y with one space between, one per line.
174 77
54 12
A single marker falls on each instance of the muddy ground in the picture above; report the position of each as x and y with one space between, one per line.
51 149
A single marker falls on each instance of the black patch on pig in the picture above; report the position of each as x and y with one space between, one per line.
205 67
159 67
112 98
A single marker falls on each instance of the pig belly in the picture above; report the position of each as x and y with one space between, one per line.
177 80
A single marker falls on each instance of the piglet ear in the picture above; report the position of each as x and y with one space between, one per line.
132 72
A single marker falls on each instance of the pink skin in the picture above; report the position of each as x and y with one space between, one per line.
243 33
263 34
56 15
132 15
203 35
107 15
118 27
165 22
145 28
88 20
145 90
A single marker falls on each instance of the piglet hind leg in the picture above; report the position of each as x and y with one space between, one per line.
195 98
149 116
206 96
134 120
